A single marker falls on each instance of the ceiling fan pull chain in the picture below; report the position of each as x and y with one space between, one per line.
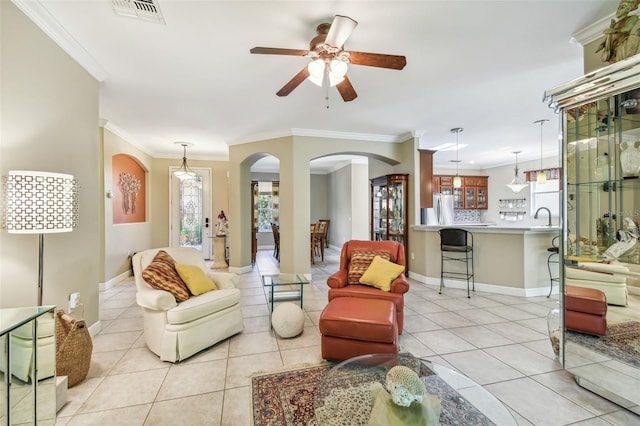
327 96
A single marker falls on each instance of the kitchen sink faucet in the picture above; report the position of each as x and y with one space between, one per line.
548 213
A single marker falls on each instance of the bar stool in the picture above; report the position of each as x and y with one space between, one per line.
456 246
554 258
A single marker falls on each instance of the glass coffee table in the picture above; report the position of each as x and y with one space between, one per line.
284 287
344 393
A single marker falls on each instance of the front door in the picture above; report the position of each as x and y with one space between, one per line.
190 213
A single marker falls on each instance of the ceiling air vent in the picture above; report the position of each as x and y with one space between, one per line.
147 10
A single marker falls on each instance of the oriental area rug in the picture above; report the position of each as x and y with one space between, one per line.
622 342
289 398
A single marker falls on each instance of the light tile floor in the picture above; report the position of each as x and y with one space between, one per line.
498 341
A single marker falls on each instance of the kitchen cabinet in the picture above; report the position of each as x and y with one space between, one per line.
473 194
600 196
427 183
389 208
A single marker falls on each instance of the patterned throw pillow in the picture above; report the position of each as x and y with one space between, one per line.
161 274
360 261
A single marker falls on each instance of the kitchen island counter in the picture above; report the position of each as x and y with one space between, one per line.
490 228
508 260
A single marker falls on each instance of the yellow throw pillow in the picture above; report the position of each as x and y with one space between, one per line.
195 279
360 261
381 273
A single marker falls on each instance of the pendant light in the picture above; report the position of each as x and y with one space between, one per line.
457 180
542 176
516 184
184 172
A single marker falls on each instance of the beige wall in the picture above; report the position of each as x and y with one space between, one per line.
294 154
49 122
159 181
125 238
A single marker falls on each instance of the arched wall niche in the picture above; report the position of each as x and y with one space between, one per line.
129 183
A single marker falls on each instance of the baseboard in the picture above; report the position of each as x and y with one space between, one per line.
240 270
487 288
95 328
113 281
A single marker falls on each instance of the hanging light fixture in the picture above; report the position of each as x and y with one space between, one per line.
517 184
542 176
457 180
184 172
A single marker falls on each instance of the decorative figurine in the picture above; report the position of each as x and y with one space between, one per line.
626 241
404 385
222 227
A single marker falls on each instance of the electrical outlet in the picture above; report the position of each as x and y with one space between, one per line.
413 256
74 300
130 253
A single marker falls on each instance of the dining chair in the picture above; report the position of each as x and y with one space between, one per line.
321 238
313 232
326 232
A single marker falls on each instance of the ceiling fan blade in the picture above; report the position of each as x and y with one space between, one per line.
379 60
278 51
340 30
346 90
294 82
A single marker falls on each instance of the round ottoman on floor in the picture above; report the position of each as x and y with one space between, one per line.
287 320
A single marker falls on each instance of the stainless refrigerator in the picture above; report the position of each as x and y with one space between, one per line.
441 213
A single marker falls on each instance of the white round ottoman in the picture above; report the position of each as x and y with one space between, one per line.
287 320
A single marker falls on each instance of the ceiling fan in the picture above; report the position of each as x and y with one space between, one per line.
329 60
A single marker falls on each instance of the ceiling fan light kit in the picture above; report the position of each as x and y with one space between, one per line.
329 62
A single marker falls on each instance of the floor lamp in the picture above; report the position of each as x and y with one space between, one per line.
40 203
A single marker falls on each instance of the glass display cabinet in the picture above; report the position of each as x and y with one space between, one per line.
600 119
389 208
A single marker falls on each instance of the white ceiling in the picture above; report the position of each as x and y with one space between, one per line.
480 65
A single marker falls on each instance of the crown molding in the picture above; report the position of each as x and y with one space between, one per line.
328 134
41 16
104 123
594 31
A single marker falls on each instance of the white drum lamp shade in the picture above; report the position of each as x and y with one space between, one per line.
40 203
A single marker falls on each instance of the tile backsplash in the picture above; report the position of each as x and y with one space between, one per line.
467 216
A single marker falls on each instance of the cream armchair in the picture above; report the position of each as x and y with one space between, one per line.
175 331
21 354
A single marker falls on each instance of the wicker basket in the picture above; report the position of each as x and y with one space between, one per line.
73 348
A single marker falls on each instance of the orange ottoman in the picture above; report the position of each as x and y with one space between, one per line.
585 310
352 326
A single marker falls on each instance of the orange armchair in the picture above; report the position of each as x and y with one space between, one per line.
339 281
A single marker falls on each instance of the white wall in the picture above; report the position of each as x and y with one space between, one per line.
498 179
49 122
